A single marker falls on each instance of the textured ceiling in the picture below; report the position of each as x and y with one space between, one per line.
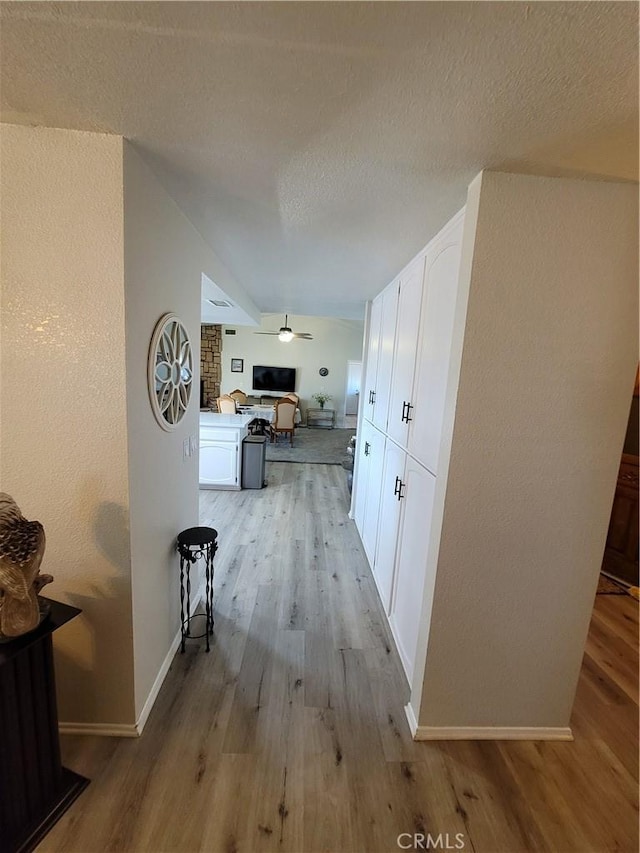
318 146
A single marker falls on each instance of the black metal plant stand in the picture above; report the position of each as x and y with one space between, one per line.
194 544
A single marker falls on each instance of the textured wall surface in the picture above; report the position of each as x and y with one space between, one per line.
318 146
64 439
211 360
334 343
548 364
87 270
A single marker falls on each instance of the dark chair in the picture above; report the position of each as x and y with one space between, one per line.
258 426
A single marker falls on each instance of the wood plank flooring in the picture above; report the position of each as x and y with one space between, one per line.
290 735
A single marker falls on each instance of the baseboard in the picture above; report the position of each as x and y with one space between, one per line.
404 658
166 663
157 684
411 719
102 729
486 732
128 730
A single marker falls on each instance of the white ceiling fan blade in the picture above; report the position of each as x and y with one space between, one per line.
286 333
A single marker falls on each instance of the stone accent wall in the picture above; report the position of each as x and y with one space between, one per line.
211 360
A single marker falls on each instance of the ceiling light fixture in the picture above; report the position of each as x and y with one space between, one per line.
286 334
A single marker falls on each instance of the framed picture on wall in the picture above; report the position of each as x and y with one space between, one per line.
237 365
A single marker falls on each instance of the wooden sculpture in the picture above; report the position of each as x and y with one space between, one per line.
21 550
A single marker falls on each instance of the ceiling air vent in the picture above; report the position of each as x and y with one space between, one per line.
219 303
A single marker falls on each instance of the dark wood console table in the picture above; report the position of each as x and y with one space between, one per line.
35 789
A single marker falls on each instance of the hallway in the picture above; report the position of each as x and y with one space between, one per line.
291 734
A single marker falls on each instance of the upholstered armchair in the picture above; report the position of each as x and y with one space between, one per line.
239 396
284 419
226 404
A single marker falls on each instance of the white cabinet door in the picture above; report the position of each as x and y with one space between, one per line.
219 463
371 363
401 402
415 529
385 356
373 451
390 504
362 476
432 367
368 439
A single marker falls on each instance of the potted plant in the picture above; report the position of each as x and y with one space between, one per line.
322 398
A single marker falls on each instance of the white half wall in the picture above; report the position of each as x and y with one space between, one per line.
548 364
334 343
62 383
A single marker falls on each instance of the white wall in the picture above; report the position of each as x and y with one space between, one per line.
334 343
165 258
93 253
548 364
161 275
64 438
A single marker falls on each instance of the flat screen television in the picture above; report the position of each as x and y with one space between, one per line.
274 378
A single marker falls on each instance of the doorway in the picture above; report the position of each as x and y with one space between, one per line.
620 560
352 393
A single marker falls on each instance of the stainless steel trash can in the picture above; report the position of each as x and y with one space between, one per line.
254 454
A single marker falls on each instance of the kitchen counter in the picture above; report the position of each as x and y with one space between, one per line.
221 449
217 419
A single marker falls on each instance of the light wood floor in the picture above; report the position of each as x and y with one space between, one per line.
290 735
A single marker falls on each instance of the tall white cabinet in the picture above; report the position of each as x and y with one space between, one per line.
403 353
406 382
380 356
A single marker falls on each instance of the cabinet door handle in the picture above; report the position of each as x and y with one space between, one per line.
367 447
400 493
404 412
396 489
407 418
372 397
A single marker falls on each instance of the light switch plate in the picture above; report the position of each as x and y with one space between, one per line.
193 444
185 449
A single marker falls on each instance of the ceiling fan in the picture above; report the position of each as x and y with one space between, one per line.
285 334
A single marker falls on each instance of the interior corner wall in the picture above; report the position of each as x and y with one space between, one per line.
64 431
335 342
164 260
549 357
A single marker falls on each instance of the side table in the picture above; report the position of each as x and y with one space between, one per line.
192 544
321 418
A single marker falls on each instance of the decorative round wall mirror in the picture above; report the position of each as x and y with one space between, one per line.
170 371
